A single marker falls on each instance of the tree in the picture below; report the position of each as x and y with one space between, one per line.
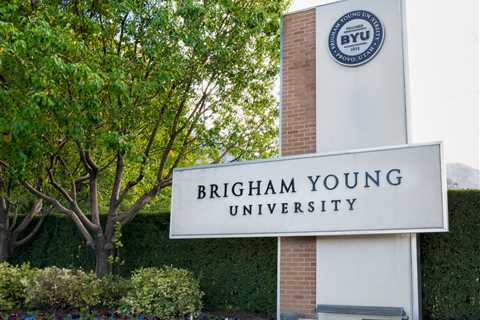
103 100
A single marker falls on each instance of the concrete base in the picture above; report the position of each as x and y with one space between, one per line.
369 271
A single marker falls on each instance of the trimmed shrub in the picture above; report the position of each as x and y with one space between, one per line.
450 262
112 289
13 286
53 289
229 270
166 293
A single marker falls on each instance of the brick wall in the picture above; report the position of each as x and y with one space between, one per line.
297 276
298 254
298 83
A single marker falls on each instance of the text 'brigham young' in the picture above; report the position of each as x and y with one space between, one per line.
253 188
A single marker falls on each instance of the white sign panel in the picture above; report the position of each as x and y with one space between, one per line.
389 190
360 75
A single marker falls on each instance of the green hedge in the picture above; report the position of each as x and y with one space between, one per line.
235 274
450 262
240 274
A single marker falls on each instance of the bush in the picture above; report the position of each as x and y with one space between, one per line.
112 289
229 270
451 262
53 289
13 286
165 293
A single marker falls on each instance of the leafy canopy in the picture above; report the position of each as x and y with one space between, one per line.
160 83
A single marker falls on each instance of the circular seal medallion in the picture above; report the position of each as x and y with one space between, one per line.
356 38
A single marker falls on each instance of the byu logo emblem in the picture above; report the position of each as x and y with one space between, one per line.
356 38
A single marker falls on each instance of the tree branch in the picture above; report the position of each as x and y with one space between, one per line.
198 111
140 176
139 205
83 157
181 153
73 203
117 181
95 212
86 177
36 208
122 29
171 140
64 210
56 184
32 234
146 153
90 162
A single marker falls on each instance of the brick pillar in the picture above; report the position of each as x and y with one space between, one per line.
298 254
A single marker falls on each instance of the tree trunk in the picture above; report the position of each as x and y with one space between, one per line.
6 247
102 265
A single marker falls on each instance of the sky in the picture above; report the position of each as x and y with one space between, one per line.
444 68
